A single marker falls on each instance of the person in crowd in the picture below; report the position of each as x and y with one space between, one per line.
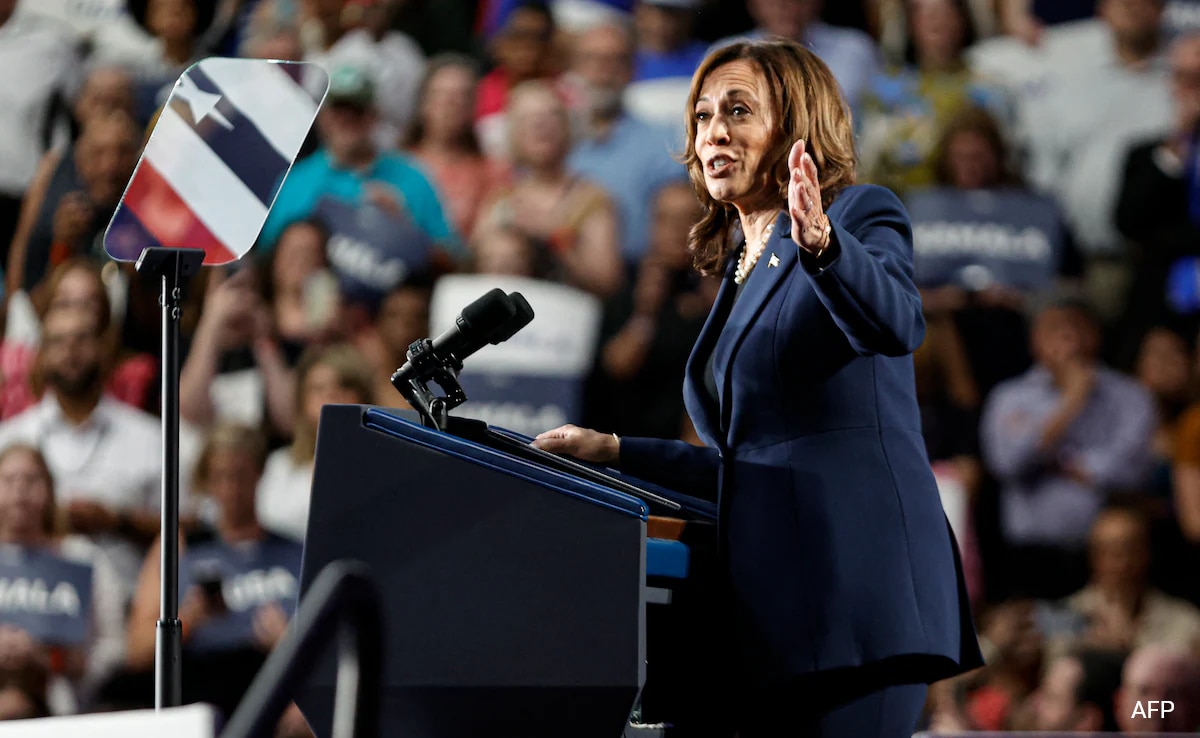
330 375
852 55
181 31
1163 674
104 454
505 251
321 24
904 110
523 50
1060 439
667 54
1027 19
239 581
649 329
106 87
236 367
403 318
301 290
570 219
801 386
1185 476
30 523
1156 211
981 288
41 68
629 158
271 33
1165 368
1076 693
384 217
1118 609
75 284
391 57
1083 128
442 138
71 203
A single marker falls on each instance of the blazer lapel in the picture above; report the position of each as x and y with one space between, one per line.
706 415
777 261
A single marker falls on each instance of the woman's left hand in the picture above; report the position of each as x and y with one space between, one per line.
810 225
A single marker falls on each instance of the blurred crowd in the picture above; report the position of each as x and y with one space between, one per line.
1048 150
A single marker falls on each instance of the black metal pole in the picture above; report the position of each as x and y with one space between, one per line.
172 267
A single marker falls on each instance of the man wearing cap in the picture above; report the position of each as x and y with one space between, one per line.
383 215
667 55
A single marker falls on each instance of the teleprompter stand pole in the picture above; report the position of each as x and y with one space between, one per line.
172 267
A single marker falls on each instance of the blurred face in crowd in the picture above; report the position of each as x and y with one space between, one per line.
736 131
282 44
972 161
78 289
106 155
15 704
232 481
676 209
403 318
324 386
328 12
1061 335
1135 23
1119 551
300 252
539 127
346 130
1163 365
661 28
1155 673
71 353
787 18
604 61
1055 704
522 48
24 498
938 28
104 91
172 20
447 107
505 252
1185 81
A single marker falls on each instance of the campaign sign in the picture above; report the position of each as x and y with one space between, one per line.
45 595
978 238
219 152
534 381
251 576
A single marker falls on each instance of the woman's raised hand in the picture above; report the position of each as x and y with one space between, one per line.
810 226
582 443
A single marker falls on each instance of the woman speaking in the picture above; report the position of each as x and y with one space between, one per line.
846 595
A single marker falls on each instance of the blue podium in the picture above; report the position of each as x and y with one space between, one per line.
514 583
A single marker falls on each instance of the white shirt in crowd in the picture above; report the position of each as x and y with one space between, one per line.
113 458
283 494
36 63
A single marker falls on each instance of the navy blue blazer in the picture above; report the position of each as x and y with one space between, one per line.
837 548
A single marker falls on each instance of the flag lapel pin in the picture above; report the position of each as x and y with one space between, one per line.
774 262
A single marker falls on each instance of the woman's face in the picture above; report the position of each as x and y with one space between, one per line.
24 495
301 253
323 387
972 162
449 97
937 28
233 482
172 20
1163 366
735 134
78 289
541 136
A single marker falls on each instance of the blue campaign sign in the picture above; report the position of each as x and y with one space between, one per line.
973 239
45 595
535 380
251 576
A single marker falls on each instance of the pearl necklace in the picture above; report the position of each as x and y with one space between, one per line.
744 267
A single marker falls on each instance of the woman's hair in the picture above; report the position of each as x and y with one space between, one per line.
467 140
266 267
530 89
44 294
970 34
978 121
353 374
228 437
52 524
805 103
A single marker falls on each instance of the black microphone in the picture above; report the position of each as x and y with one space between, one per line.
472 329
523 317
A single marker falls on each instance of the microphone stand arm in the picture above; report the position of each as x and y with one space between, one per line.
428 367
